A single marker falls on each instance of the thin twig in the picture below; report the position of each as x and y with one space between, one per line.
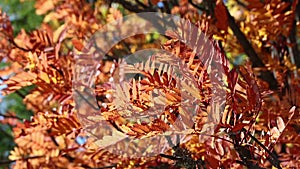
110 166
141 4
134 8
197 6
5 162
86 100
17 46
10 116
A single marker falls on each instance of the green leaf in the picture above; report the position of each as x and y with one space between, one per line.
14 102
22 14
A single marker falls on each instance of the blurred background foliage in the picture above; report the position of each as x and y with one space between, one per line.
21 14
11 103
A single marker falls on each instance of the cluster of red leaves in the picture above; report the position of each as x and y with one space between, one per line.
258 127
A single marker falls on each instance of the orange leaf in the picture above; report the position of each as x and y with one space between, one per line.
77 44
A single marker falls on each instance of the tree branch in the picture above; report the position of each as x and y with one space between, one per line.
141 4
274 160
17 46
10 116
87 101
256 61
197 6
5 162
134 8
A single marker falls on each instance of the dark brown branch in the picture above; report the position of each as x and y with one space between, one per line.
197 6
5 162
257 62
274 160
110 166
170 157
246 155
134 8
86 100
9 116
241 4
249 50
17 46
141 4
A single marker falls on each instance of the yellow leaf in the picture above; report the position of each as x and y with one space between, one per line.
44 77
58 32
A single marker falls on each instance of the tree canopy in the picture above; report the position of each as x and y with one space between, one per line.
240 111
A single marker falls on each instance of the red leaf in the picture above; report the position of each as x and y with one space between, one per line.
232 79
214 163
238 127
221 16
